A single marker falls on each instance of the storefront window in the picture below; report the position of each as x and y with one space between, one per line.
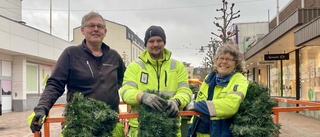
288 76
32 78
6 87
310 73
275 80
249 75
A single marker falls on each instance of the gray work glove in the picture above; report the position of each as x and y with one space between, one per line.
36 119
189 107
173 108
153 101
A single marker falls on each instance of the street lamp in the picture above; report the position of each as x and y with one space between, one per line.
213 45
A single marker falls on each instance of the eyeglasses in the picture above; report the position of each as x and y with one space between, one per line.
93 26
226 59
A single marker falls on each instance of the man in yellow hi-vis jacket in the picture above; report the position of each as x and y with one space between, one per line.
155 70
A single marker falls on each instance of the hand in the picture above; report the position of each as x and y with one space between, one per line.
36 119
189 107
173 108
153 101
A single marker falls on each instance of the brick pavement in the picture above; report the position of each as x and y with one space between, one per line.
14 124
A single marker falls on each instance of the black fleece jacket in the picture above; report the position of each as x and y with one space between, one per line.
80 71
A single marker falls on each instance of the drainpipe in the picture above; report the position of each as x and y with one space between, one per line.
51 17
277 12
68 20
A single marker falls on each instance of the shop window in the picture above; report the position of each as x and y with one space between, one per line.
32 78
44 74
309 73
6 87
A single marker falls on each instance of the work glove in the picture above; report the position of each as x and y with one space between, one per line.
173 108
36 119
189 107
153 101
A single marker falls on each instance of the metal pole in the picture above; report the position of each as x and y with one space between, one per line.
277 12
281 78
68 20
51 17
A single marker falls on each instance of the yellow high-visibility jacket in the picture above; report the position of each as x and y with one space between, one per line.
226 100
225 103
167 76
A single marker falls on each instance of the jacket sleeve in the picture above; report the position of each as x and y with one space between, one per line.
55 85
129 89
228 106
184 93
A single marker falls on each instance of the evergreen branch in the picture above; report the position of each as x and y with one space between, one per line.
88 117
153 123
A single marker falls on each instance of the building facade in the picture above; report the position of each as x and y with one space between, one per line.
287 59
28 55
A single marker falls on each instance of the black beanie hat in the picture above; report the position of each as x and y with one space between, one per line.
154 31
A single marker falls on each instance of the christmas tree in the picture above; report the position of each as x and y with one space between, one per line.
254 118
88 117
153 123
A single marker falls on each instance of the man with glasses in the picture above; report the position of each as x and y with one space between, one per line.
92 68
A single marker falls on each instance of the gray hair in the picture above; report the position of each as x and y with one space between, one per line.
89 16
233 51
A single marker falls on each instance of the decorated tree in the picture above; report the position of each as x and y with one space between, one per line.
224 34
226 31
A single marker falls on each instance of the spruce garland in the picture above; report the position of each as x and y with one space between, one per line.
88 117
153 123
254 117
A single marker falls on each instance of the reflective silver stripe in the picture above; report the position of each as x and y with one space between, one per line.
172 93
130 83
183 84
167 93
211 108
173 64
122 95
238 93
186 85
140 62
188 95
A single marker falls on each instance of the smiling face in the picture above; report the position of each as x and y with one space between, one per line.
225 64
94 31
155 47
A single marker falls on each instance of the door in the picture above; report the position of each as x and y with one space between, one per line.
6 95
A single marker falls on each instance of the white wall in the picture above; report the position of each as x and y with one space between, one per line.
11 9
26 40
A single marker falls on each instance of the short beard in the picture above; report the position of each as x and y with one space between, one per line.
156 56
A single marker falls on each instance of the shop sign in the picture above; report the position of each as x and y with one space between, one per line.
266 63
276 57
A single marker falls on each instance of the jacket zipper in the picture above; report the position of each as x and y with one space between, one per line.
90 68
158 76
165 78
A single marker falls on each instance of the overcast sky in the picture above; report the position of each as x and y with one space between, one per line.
187 23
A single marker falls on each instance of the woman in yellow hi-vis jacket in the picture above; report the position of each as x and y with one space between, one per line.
155 70
220 95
